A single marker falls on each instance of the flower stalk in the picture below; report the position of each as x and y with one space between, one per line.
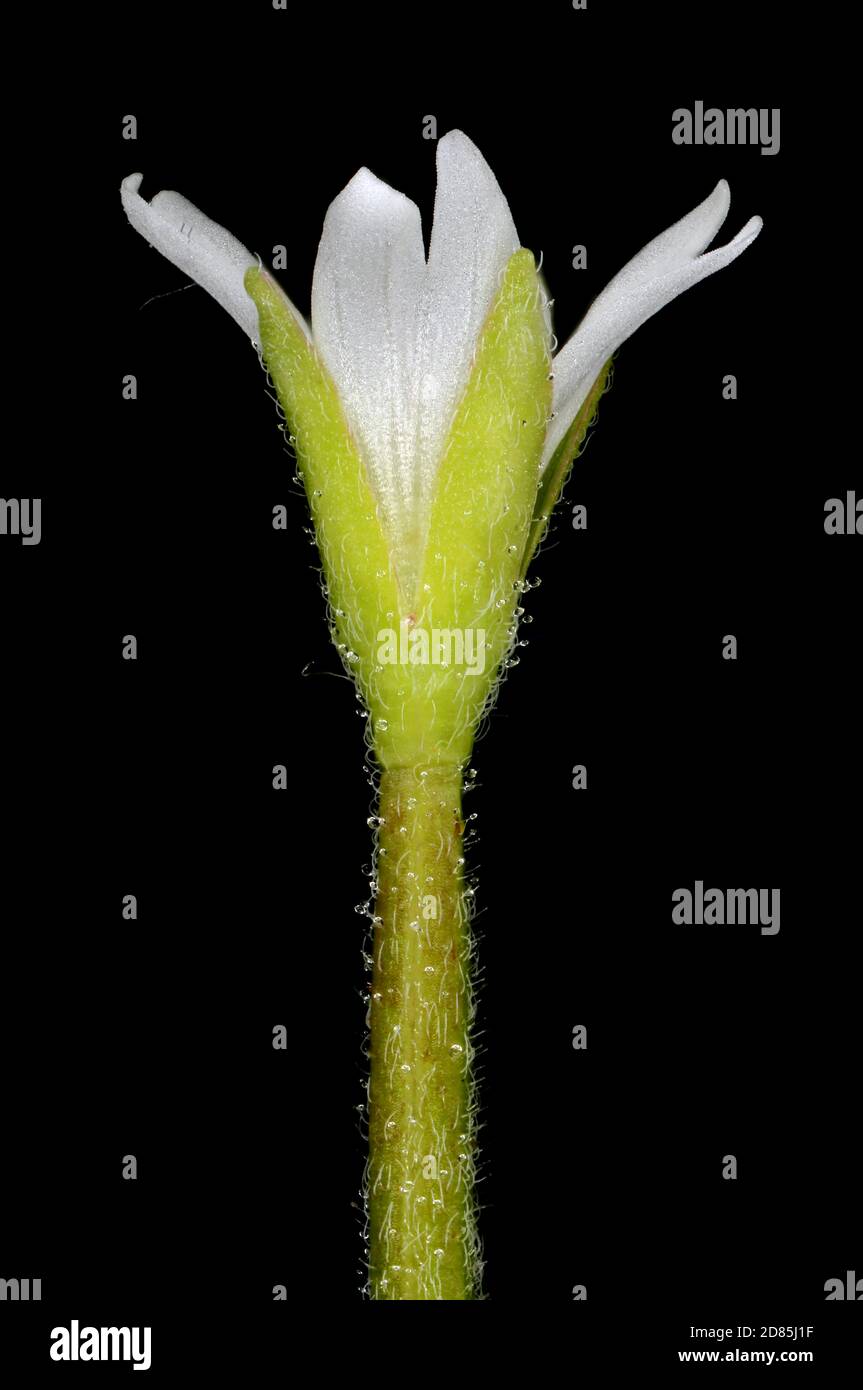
420 1179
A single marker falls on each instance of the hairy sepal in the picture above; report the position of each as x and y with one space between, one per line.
425 712
554 478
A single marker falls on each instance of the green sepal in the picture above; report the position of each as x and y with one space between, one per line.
481 513
361 585
555 476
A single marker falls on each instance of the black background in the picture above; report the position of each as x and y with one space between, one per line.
153 777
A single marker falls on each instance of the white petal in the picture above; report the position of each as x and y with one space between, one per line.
397 335
667 266
473 237
197 246
365 302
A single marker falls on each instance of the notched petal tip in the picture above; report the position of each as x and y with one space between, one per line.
683 240
720 256
673 262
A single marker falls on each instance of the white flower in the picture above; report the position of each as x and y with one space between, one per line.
397 331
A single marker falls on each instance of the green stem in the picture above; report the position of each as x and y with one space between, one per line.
422 1235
